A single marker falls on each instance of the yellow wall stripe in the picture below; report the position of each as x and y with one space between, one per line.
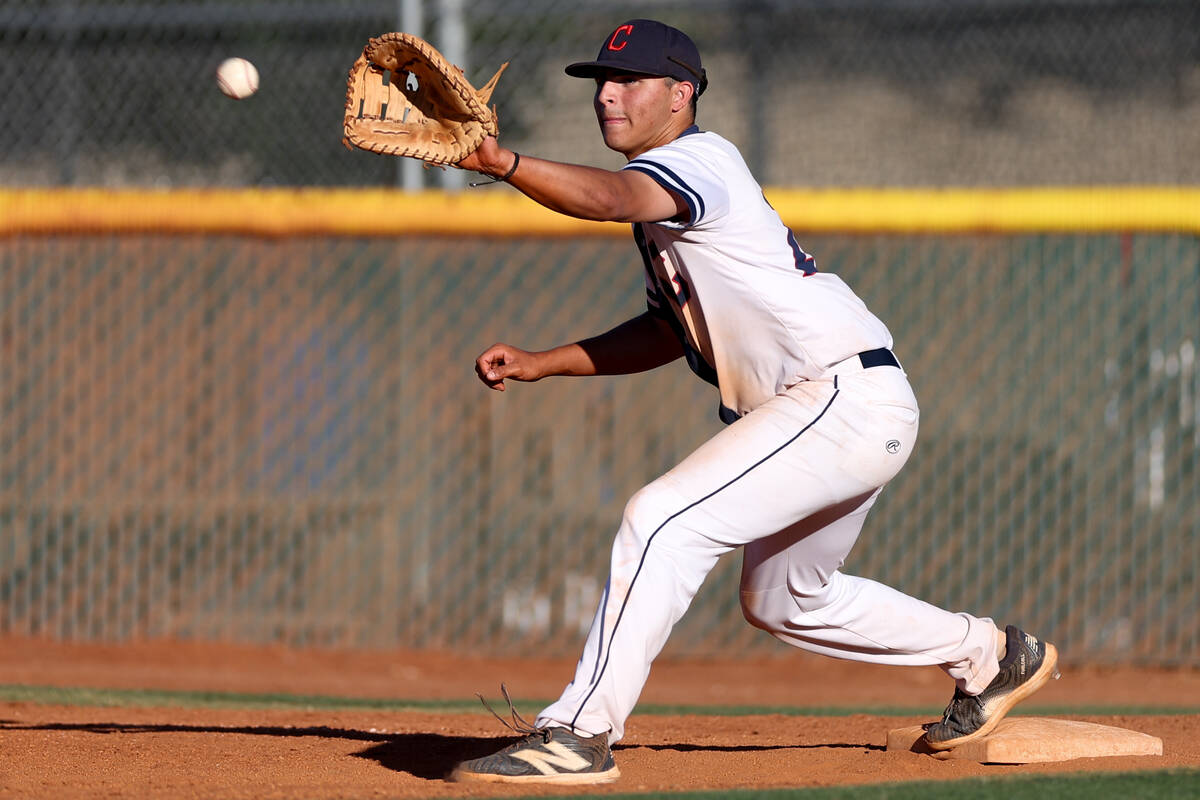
1034 210
500 211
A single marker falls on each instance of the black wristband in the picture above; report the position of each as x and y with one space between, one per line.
507 175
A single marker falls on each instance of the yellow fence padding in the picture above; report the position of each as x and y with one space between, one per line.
501 211
1034 210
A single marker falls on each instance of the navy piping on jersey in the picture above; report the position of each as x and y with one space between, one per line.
695 202
603 613
804 262
642 561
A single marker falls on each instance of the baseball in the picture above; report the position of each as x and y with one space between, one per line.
237 78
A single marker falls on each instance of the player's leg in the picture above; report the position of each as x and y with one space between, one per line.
787 460
658 562
792 587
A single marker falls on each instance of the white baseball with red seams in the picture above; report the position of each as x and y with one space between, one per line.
237 78
822 416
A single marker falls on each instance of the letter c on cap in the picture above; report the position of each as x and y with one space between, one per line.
623 32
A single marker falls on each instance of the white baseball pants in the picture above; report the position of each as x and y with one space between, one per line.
792 483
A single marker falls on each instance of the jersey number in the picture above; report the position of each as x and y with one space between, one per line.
683 292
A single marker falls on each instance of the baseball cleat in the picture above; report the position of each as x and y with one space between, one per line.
547 755
1027 665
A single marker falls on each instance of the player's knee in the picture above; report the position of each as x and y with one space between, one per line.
756 610
772 609
646 511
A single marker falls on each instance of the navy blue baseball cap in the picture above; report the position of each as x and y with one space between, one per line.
647 47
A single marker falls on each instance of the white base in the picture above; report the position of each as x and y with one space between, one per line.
1027 740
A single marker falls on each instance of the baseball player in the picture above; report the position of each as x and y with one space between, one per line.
819 417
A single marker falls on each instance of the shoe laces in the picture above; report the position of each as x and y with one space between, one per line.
519 724
959 695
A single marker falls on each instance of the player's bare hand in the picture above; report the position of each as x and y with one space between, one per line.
502 361
489 158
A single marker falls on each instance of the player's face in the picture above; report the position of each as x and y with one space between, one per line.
635 111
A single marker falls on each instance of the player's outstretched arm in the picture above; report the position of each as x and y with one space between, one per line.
637 345
579 191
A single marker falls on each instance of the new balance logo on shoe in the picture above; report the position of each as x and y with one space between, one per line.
551 755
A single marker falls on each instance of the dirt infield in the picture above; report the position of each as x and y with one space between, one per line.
56 751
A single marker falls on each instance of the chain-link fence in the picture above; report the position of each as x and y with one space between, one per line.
284 440
816 93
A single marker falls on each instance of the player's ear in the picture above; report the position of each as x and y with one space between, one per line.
681 95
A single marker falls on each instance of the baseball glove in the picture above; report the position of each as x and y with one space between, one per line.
428 110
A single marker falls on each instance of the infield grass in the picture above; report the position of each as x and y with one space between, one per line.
1148 785
151 698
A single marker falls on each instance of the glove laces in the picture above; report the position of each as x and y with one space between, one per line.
504 179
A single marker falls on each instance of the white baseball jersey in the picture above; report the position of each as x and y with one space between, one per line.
755 313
